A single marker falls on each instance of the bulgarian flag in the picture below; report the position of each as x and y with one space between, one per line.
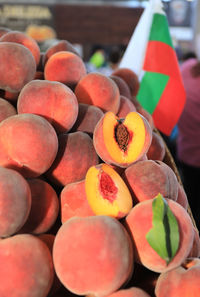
150 54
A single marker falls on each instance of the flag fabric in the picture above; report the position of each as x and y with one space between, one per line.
151 55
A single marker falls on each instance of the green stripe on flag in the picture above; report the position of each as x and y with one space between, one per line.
152 86
160 30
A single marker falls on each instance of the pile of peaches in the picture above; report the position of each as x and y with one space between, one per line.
88 205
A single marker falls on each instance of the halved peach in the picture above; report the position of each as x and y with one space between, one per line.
122 141
106 192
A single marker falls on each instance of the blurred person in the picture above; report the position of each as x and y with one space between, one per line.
97 58
188 136
188 55
104 60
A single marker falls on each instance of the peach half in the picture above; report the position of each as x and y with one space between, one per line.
122 141
106 192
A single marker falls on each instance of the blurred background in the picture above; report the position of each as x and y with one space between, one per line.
104 24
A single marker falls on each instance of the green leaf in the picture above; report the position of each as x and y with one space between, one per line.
164 236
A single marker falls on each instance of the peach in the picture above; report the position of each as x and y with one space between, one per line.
40 32
88 117
147 178
182 197
20 69
130 292
53 100
125 107
74 201
44 208
130 77
4 30
6 109
136 103
75 155
122 85
139 222
157 149
26 267
29 144
48 239
195 251
122 141
146 115
65 67
99 90
25 40
15 201
106 192
61 45
182 281
93 255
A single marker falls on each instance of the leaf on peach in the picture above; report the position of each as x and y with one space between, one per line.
164 235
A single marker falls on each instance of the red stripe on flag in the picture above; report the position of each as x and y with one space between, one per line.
161 58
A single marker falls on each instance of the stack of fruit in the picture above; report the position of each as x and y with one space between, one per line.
88 205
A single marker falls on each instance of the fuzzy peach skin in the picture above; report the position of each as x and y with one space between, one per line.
75 155
17 66
139 223
61 45
25 40
182 197
146 115
122 141
106 192
130 77
29 144
6 109
88 117
157 149
130 292
73 201
26 267
15 201
99 90
93 255
125 107
195 251
122 85
44 208
48 239
53 100
145 179
182 281
65 67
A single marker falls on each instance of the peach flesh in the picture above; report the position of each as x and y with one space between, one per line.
106 192
122 142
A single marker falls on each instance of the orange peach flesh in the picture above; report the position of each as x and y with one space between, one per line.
129 136
106 192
